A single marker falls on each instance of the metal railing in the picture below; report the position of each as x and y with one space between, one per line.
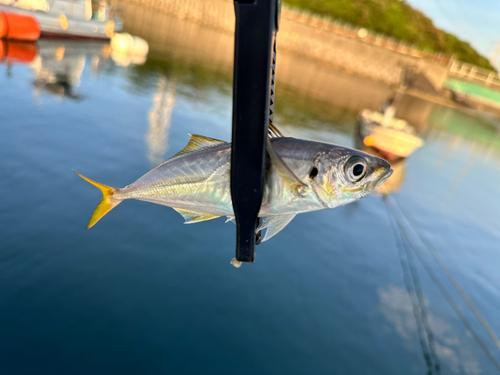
474 73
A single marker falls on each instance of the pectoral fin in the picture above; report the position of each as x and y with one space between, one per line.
274 224
291 180
191 217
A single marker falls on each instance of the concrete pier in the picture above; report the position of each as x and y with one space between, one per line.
339 46
341 71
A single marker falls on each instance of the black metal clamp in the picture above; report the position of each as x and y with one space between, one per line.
253 95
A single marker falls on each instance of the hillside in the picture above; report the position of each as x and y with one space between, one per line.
397 19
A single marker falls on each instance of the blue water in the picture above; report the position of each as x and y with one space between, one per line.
143 293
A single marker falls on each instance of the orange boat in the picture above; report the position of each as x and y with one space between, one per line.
18 27
392 136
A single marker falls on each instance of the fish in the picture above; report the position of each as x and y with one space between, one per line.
302 176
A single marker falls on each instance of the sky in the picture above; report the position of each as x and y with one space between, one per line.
475 21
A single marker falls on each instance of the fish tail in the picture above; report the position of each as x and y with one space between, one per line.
107 203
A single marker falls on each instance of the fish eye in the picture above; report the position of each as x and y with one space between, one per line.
355 169
313 173
358 170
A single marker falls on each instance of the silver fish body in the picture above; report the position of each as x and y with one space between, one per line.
303 176
197 181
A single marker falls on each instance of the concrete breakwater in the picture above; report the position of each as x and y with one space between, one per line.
313 37
208 45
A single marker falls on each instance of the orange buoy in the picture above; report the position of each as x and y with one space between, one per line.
18 27
17 52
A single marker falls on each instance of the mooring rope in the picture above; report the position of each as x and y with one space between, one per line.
441 287
450 276
413 287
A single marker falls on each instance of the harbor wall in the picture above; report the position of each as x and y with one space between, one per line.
176 36
200 44
320 39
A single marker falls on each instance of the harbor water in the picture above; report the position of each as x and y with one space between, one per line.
336 292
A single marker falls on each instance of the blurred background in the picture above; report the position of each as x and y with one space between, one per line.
404 281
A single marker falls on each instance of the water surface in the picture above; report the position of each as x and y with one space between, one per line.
143 293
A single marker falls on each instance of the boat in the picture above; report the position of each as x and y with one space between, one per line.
79 19
392 136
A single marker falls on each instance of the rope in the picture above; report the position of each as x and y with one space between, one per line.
419 309
447 272
443 290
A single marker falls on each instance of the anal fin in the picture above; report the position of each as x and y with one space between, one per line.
191 217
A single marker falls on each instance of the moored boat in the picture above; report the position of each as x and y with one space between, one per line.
392 136
82 19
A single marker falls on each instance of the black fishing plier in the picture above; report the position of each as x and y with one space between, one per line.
253 98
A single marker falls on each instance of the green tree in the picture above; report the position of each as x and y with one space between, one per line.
397 19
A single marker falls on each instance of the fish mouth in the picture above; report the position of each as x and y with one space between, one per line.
384 177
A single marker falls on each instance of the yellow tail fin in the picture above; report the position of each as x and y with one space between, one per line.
107 202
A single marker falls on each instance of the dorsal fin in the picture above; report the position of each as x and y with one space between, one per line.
273 131
198 142
191 217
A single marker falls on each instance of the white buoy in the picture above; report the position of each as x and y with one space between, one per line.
124 43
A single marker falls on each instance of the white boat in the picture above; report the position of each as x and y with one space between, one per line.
388 134
81 19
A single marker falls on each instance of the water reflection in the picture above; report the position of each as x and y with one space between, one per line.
58 64
58 67
449 185
454 351
160 118
17 52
